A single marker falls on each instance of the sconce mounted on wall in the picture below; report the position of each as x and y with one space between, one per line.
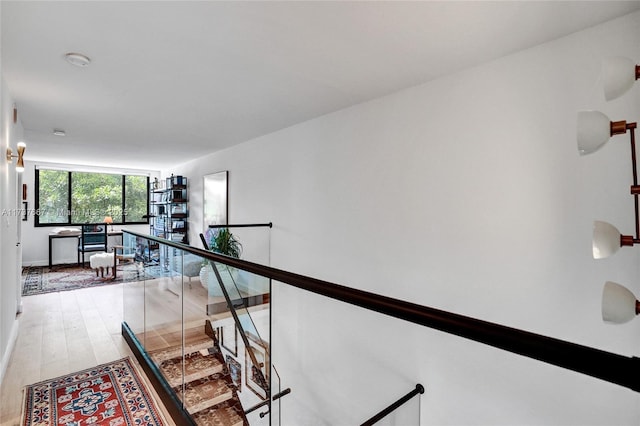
619 305
594 131
20 156
618 75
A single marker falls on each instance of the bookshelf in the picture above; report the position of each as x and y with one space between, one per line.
169 209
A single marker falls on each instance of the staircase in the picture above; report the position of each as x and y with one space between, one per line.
209 394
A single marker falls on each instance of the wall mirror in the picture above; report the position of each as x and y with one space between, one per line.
215 199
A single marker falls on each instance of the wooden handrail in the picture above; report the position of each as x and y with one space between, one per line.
611 367
243 225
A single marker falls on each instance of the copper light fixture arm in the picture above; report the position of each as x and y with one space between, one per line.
10 155
635 189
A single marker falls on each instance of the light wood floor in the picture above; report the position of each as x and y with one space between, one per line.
60 333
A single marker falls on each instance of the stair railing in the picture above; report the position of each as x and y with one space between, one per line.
608 366
419 390
275 397
241 329
233 307
590 361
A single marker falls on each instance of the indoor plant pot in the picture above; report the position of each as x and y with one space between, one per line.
223 242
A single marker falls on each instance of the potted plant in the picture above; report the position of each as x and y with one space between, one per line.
223 242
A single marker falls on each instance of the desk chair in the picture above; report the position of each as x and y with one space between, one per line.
93 237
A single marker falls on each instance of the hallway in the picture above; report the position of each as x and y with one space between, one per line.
60 333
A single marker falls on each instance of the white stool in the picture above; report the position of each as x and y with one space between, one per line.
100 262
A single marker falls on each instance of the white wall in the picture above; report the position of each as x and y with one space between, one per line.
465 194
36 239
9 264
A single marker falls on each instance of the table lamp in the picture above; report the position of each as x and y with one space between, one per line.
109 221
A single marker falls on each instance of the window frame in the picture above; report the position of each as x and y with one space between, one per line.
121 220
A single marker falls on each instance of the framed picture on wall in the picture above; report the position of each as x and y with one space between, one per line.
257 373
228 337
235 370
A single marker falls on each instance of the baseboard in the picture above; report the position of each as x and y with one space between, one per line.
35 263
6 356
46 262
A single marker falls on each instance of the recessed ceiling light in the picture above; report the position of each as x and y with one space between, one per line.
59 132
77 59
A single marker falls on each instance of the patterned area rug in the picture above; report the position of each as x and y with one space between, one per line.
40 279
110 394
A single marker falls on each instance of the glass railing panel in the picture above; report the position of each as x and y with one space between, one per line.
247 325
164 338
254 241
248 304
243 332
275 411
333 366
246 290
133 287
215 359
204 367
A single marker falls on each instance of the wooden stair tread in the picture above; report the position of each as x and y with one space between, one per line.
155 340
161 355
174 327
227 413
209 394
196 366
205 393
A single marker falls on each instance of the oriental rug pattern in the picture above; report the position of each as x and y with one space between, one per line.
107 395
40 279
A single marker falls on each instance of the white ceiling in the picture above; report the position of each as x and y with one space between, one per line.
174 80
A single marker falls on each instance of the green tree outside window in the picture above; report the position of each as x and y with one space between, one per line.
72 198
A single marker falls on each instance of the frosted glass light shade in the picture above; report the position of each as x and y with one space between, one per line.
618 75
594 130
606 239
618 303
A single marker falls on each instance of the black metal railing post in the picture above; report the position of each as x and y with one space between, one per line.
419 390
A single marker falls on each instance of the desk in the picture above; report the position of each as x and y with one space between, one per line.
114 234
53 236
77 236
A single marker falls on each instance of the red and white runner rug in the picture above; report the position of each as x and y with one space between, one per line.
107 395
